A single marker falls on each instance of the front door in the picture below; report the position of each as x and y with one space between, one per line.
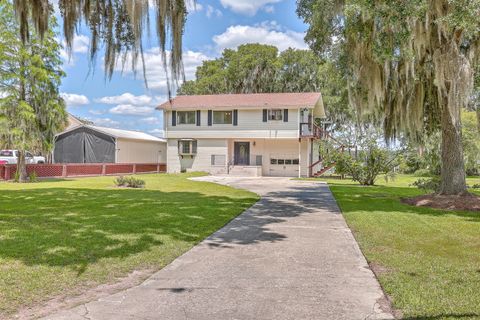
242 153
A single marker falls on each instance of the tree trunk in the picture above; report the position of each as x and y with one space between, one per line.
453 169
478 118
21 167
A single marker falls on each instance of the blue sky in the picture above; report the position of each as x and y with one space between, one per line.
212 25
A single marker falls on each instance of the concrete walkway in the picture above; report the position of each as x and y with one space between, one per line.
290 256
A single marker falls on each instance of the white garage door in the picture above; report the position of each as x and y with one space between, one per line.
284 165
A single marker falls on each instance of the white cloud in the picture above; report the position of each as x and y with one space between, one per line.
80 45
128 109
151 120
72 99
211 11
96 112
193 6
269 9
264 33
157 132
247 7
155 73
105 122
126 98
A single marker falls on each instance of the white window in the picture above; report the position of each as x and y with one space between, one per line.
275 114
222 117
219 160
284 161
186 117
187 147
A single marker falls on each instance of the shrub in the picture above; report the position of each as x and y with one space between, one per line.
33 177
432 184
365 170
422 173
120 181
129 182
135 183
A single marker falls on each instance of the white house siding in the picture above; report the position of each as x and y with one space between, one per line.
137 151
304 157
271 148
201 161
277 139
250 125
267 148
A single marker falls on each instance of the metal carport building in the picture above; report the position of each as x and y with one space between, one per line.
93 144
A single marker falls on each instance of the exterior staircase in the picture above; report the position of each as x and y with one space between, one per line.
323 170
319 133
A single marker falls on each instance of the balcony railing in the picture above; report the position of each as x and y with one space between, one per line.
311 130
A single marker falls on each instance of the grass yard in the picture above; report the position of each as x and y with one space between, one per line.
63 236
427 260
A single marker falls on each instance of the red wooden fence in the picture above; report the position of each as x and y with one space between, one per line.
7 171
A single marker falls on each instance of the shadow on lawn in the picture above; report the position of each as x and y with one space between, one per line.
387 199
77 227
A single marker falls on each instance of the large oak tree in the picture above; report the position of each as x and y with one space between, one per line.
410 63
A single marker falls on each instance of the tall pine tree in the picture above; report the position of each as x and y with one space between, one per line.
30 75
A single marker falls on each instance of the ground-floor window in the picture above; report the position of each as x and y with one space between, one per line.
187 146
284 161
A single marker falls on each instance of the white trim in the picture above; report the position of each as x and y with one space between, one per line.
235 134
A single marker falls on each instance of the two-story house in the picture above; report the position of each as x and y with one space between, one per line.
267 134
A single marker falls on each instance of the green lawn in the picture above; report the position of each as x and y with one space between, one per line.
428 261
61 237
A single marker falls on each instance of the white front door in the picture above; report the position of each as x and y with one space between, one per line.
281 165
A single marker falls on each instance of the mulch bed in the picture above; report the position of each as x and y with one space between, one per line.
467 202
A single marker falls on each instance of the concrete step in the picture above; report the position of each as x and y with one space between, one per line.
245 171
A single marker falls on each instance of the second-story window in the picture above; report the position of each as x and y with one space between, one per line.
275 115
186 117
222 117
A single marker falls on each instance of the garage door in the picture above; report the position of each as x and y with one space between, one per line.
284 166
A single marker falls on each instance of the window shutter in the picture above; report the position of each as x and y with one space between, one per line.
235 117
285 115
194 146
198 118
265 115
210 117
174 118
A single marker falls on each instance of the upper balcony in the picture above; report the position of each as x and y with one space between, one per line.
311 130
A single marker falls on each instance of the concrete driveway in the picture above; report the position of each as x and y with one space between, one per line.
290 256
